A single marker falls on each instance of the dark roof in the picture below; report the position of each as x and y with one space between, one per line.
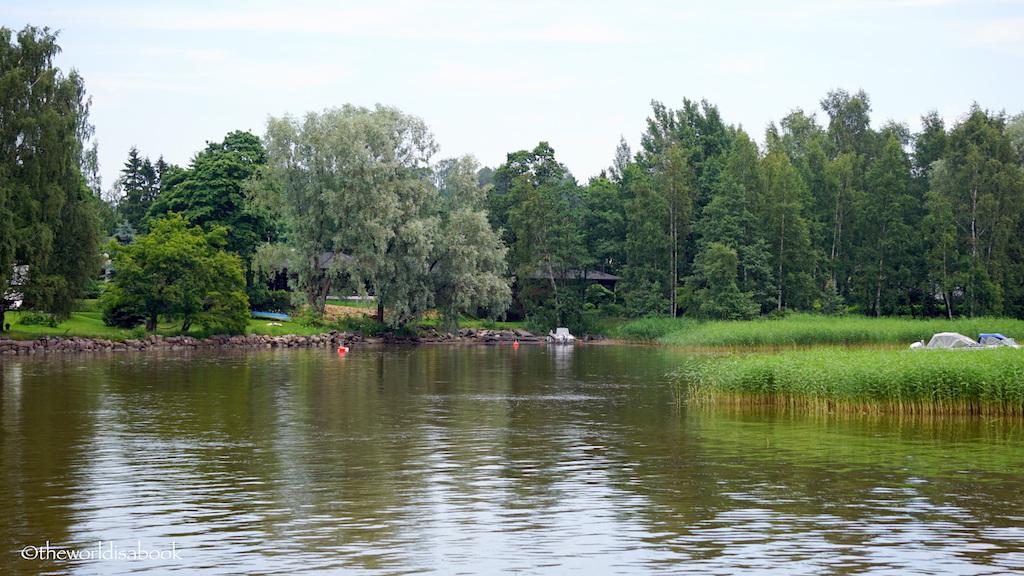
542 272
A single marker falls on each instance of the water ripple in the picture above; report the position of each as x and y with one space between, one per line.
484 461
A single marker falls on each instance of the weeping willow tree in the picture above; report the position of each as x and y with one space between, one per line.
361 213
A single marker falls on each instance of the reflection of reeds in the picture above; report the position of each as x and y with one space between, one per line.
801 330
919 382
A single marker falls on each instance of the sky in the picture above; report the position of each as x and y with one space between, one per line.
492 77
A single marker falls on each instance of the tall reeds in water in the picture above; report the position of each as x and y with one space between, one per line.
801 330
909 381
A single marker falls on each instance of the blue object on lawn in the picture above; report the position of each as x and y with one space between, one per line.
271 316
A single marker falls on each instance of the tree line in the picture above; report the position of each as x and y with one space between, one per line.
343 202
830 216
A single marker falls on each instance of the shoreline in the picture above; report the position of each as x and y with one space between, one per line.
66 344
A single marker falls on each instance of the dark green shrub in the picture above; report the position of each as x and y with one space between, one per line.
365 325
263 299
122 315
310 319
33 318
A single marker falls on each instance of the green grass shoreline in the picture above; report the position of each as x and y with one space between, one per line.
88 323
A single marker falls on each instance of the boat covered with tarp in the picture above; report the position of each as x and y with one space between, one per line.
947 341
996 339
956 341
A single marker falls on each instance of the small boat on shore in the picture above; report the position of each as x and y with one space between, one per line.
957 341
947 341
561 336
995 339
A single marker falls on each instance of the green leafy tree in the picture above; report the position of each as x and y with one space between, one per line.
646 274
674 176
978 189
1015 132
833 180
623 157
48 221
548 250
887 243
345 182
697 129
178 272
604 225
682 155
929 144
522 170
210 193
539 208
468 266
849 125
727 221
787 233
721 299
944 255
362 211
139 185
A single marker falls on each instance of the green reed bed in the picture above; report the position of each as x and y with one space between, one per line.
910 381
802 330
652 329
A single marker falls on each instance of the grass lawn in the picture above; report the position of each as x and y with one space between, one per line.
90 325
82 324
87 322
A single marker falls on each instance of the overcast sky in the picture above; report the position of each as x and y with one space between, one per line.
491 77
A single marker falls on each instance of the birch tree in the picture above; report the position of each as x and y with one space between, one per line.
978 190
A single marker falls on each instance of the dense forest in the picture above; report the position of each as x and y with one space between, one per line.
830 216
826 214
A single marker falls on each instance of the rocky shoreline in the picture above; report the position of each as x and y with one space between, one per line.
59 344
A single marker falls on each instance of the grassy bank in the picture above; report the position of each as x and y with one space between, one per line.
87 322
803 330
90 325
918 381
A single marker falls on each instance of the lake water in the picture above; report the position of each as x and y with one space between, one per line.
477 460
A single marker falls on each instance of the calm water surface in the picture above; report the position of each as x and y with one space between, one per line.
481 460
